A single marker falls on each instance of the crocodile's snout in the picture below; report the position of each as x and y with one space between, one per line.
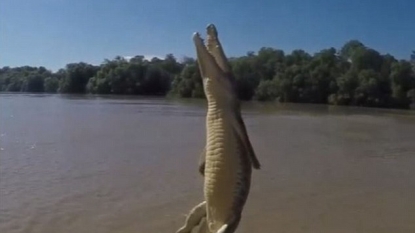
211 30
197 39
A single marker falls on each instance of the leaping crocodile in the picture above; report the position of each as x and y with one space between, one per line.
227 160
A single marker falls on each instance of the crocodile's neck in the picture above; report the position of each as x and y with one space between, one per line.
221 107
217 110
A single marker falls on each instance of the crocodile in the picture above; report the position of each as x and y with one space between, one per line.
228 158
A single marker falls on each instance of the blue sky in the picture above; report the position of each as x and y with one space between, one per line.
53 33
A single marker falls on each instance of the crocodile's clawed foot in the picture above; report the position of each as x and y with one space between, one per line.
195 218
231 226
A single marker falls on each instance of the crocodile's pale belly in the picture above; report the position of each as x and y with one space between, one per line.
226 181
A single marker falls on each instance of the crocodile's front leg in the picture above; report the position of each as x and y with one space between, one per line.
202 162
194 219
231 226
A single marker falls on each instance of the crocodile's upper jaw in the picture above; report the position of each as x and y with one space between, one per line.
218 82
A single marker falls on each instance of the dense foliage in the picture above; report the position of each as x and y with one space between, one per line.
352 75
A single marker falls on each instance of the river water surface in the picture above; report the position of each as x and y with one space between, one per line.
117 164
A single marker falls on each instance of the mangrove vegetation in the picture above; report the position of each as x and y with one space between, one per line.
352 75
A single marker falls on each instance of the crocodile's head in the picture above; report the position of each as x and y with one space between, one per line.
218 80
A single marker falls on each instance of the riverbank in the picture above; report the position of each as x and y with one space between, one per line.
175 98
353 75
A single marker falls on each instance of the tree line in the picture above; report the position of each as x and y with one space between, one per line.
352 75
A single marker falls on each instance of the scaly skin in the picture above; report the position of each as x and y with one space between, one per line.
228 157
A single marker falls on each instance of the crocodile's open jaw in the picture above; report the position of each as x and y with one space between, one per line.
214 68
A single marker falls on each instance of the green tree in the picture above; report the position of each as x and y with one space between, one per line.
368 92
266 61
51 84
33 83
350 47
267 90
188 83
156 81
366 58
403 80
246 76
76 77
170 65
353 75
347 84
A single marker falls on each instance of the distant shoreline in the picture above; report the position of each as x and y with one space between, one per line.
167 97
354 75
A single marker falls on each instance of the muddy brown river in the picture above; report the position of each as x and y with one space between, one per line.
89 164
